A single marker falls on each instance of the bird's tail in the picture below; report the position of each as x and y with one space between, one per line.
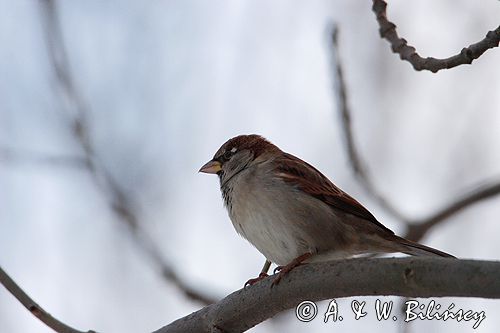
416 249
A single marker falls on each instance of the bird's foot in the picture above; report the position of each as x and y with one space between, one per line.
283 270
251 282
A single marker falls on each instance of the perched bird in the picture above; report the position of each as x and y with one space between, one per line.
292 213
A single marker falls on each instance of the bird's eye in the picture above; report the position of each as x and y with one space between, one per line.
227 155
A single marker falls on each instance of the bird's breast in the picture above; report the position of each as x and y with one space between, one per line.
272 216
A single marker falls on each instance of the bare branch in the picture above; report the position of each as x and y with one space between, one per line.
418 229
16 156
411 277
355 160
407 52
33 307
118 199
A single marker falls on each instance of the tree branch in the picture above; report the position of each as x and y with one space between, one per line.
407 52
358 166
16 156
417 230
411 277
33 307
245 308
118 199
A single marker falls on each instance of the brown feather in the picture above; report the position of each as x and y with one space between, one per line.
417 249
308 179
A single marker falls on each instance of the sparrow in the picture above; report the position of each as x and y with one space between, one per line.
292 213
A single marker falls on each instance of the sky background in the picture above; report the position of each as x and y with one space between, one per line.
166 83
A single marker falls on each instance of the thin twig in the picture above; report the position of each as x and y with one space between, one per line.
407 52
418 229
33 307
31 157
355 160
118 199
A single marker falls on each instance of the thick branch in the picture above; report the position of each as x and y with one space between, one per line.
407 52
411 277
33 307
417 230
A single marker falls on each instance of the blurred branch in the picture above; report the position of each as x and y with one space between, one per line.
118 199
411 277
407 52
355 160
418 229
33 307
15 156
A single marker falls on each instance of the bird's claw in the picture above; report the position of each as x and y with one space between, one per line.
283 270
253 281
277 269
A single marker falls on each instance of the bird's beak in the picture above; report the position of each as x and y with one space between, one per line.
211 167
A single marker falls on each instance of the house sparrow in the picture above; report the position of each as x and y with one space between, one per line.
292 213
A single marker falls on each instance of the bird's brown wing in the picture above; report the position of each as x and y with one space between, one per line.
311 181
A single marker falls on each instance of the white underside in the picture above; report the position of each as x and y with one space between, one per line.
279 222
